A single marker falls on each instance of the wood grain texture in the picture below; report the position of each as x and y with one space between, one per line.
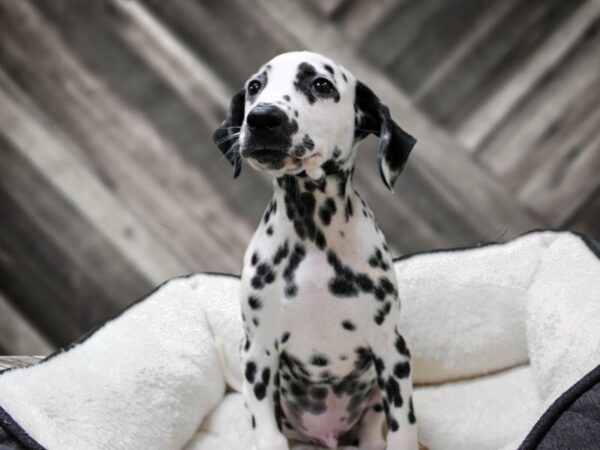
10 362
17 335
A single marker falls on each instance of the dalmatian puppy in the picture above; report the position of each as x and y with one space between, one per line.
323 358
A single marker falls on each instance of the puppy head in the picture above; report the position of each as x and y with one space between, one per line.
302 112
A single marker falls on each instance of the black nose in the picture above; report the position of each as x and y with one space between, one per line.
265 118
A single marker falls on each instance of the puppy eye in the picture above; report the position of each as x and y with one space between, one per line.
323 86
254 86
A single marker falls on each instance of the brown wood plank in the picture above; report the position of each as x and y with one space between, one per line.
515 38
17 336
122 145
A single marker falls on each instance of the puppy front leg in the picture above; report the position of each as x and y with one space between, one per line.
260 392
392 363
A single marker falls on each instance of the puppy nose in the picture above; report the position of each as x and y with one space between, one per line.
265 118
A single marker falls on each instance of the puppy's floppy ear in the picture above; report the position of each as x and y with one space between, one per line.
395 144
231 125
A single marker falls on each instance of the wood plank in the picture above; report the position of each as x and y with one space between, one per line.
485 204
585 220
142 166
237 54
327 8
396 30
9 362
548 117
485 23
51 154
571 177
357 18
439 35
118 35
17 335
56 264
493 61
496 109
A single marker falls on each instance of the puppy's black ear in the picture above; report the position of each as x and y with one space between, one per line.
224 135
395 144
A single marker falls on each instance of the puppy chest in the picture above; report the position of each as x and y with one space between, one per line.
318 400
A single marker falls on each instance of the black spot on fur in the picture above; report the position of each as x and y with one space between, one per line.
299 151
327 210
260 391
281 253
348 325
402 370
349 209
303 83
266 376
254 302
270 230
264 275
250 371
401 346
392 390
345 282
411 412
382 313
308 142
254 259
328 68
296 257
319 360
286 98
318 392
284 337
377 260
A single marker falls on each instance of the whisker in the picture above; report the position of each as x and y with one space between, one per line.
234 146
227 138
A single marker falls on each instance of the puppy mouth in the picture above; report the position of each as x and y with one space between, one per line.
265 155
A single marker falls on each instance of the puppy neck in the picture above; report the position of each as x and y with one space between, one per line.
317 210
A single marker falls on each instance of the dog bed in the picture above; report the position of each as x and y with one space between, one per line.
505 341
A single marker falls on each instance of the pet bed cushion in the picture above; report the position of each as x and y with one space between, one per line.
502 338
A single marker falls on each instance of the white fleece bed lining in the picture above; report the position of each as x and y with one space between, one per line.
155 376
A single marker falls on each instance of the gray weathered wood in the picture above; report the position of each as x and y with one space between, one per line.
9 362
17 335
483 120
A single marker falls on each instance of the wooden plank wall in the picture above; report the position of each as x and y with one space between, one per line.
109 181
